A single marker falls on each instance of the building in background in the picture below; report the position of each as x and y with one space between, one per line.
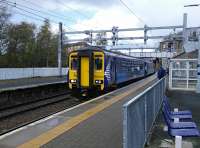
172 43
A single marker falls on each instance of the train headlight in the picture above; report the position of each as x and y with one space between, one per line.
98 81
72 81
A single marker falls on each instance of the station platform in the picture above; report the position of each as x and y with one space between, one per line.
94 124
9 85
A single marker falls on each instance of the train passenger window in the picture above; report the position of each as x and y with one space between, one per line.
98 64
74 64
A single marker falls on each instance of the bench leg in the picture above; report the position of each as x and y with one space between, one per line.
175 109
178 142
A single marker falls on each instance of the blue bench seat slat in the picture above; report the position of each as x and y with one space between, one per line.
181 116
185 132
184 112
183 125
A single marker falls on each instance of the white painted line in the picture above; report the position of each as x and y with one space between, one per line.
13 132
41 120
69 109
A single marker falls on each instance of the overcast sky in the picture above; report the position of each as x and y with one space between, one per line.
103 14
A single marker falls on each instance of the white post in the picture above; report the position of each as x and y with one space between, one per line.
184 26
187 73
198 73
178 139
170 74
145 34
178 142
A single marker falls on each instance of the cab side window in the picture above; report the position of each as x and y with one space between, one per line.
98 64
74 64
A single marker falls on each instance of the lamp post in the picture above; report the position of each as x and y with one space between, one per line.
198 65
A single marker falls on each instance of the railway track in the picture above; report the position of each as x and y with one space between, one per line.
17 116
32 105
20 115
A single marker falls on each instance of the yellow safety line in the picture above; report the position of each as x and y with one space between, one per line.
69 124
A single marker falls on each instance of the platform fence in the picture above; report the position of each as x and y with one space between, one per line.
140 114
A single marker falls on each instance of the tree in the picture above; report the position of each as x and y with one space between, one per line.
53 51
21 45
43 43
4 16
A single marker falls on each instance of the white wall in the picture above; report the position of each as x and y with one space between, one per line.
16 73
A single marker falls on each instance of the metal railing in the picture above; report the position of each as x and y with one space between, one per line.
140 114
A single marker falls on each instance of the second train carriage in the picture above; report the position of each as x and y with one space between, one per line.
93 67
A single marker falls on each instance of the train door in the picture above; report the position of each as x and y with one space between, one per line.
113 71
84 71
145 69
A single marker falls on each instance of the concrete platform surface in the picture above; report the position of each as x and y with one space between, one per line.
14 84
94 124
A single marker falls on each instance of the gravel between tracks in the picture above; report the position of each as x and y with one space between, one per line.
26 117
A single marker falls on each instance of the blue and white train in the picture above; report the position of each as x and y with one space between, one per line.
97 68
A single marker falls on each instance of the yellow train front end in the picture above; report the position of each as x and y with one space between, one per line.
86 70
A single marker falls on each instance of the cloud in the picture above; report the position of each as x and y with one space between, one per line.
95 3
99 14
107 18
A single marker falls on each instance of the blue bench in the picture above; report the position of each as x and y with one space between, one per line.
184 129
171 115
171 124
166 101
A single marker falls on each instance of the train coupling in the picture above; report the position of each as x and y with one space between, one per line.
84 93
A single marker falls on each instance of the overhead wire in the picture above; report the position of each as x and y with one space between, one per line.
23 14
47 13
130 10
75 10
14 5
61 3
53 14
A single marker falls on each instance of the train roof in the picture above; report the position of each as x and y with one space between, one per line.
108 52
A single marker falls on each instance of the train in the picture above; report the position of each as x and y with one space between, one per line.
101 69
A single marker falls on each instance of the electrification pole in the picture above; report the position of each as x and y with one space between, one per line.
60 50
198 64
